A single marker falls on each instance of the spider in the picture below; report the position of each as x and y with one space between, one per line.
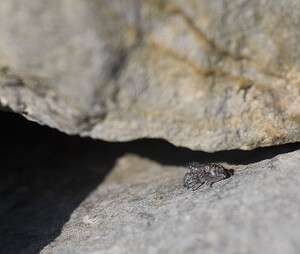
207 173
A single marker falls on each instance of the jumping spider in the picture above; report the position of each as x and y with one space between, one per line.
207 173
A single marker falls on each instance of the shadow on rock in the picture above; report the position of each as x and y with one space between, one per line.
45 175
168 154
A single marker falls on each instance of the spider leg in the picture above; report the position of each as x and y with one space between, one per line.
188 186
213 181
191 185
197 186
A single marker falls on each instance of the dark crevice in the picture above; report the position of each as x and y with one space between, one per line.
46 174
167 154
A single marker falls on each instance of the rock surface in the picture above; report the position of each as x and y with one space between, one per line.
69 195
208 75
142 208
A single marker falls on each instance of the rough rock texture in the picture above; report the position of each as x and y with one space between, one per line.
69 195
208 75
142 208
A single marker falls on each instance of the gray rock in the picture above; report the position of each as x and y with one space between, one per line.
208 75
62 194
142 207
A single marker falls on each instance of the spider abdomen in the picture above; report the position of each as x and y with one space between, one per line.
200 174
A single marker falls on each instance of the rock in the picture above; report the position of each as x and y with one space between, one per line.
208 75
142 207
62 194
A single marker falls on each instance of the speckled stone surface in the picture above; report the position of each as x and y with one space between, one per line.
207 75
61 194
142 208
